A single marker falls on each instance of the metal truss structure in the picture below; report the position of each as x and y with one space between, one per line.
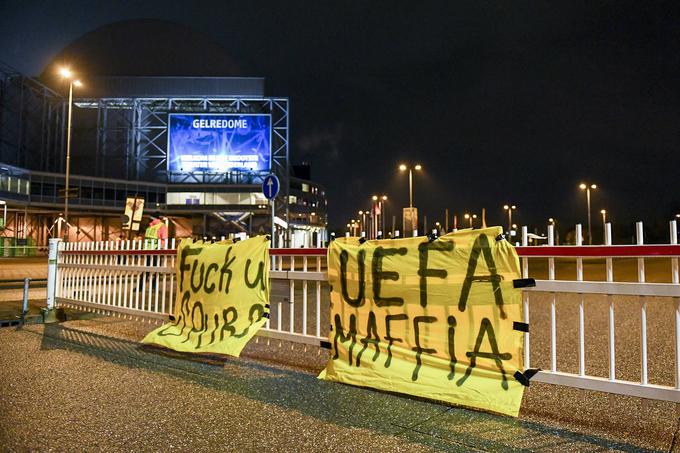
123 140
132 138
32 123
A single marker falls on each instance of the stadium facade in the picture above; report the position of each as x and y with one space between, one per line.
195 149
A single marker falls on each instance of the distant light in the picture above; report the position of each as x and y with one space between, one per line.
375 197
361 212
604 211
551 220
418 167
583 186
593 186
78 83
467 216
65 72
505 206
402 167
384 197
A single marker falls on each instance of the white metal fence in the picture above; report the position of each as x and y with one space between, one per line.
121 278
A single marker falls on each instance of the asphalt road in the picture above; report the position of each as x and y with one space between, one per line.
609 419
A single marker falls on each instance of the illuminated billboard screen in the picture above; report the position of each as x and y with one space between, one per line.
215 143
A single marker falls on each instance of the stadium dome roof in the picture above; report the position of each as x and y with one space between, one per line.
143 47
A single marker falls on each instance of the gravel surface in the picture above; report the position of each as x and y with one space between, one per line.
89 385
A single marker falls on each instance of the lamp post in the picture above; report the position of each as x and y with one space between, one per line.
412 214
68 75
509 208
363 222
587 187
470 218
553 222
604 223
403 167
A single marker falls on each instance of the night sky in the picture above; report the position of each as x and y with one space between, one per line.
501 102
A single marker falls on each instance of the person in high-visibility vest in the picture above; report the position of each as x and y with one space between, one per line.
155 233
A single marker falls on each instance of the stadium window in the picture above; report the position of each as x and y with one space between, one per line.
305 187
292 199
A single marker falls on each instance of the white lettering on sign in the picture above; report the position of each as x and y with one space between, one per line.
240 123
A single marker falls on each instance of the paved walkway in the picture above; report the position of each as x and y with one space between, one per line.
89 385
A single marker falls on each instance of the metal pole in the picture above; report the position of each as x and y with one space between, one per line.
382 217
446 220
410 188
24 308
273 225
68 153
590 230
510 218
52 255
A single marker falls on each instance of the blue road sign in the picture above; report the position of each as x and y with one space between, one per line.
270 187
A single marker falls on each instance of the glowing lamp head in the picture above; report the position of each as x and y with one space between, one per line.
384 197
77 83
467 216
65 73
506 207
593 186
418 167
603 212
402 167
375 198
583 186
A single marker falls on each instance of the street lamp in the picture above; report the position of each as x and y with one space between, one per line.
403 167
509 208
604 224
68 75
379 213
587 187
470 218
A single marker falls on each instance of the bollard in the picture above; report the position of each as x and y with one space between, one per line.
24 308
49 313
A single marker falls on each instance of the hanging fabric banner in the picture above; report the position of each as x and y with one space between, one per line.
439 319
222 296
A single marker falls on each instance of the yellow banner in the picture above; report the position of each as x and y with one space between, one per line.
222 297
434 319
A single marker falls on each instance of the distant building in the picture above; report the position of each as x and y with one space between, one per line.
135 137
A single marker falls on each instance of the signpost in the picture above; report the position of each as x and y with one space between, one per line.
270 189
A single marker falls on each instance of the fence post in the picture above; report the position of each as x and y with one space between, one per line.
49 313
52 254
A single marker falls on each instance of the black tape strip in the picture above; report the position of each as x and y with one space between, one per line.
325 344
362 240
524 378
521 326
266 315
531 372
266 305
524 283
172 318
500 237
521 378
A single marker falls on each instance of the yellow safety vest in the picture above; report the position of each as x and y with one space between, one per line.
151 236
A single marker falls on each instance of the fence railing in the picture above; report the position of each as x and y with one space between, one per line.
573 318
122 278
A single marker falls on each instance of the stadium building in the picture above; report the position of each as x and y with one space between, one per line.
196 150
